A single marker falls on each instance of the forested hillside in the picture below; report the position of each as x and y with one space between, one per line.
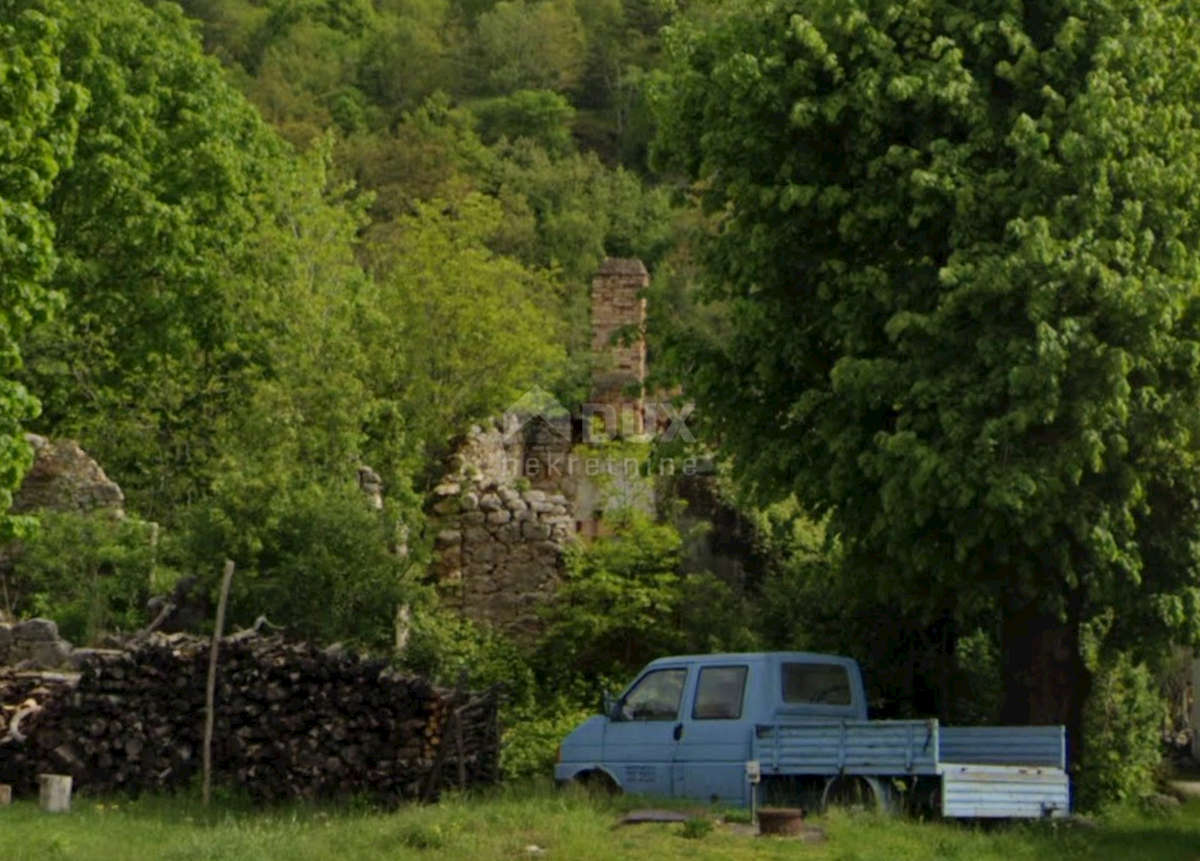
929 271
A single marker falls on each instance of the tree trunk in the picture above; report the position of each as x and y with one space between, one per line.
1045 679
949 666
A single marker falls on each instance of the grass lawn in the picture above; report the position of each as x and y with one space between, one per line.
560 825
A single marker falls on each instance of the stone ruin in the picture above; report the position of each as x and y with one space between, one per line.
64 478
519 491
498 548
618 322
33 645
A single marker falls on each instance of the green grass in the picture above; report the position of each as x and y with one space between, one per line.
563 826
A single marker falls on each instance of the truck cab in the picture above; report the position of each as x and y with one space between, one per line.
686 725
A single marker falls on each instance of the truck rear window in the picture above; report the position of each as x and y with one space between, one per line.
816 684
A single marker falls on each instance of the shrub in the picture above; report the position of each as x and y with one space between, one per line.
1123 753
447 648
620 603
91 573
316 560
532 736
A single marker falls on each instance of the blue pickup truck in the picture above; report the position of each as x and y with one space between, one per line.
792 727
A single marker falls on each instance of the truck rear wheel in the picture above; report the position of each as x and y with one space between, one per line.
856 793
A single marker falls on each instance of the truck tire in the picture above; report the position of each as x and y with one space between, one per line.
857 792
596 783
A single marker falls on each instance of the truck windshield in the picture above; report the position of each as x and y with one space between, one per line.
656 696
816 684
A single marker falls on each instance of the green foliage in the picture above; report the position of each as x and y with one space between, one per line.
40 109
626 601
89 572
315 559
455 333
532 735
977 696
536 717
531 45
583 210
408 56
957 247
619 605
447 648
152 221
998 387
697 828
1123 757
539 115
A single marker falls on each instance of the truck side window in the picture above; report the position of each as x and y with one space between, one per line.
656 696
719 693
816 684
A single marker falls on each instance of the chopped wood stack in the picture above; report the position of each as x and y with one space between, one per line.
291 721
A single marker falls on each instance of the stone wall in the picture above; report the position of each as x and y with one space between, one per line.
64 478
520 489
33 644
499 537
498 550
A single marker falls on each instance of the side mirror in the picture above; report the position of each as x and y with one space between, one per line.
611 706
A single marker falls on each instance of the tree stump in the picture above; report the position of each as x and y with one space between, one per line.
5 795
55 793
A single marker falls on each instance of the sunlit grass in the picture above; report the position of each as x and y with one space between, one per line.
540 822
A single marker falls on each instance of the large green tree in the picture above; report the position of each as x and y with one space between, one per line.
159 223
959 243
455 332
39 109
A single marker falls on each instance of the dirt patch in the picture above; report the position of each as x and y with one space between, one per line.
808 834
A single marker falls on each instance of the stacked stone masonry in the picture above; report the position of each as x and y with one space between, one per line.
499 550
618 305
64 478
33 644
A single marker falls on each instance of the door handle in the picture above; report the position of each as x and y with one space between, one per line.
678 731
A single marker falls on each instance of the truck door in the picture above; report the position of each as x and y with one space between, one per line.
641 736
714 743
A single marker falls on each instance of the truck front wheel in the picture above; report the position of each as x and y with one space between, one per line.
596 783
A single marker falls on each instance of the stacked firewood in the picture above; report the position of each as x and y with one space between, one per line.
290 721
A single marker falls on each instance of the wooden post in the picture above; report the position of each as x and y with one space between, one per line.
55 792
5 795
153 558
211 690
458 744
1195 721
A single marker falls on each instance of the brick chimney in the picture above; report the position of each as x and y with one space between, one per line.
617 304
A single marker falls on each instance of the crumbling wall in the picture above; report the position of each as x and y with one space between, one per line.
521 488
64 478
499 540
33 644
